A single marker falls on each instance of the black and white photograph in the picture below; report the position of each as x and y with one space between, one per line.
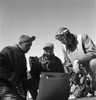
47 49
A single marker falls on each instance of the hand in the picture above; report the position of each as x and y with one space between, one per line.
29 75
45 62
76 66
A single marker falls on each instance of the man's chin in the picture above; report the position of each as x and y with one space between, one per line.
26 51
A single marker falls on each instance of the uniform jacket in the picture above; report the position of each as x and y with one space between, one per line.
84 52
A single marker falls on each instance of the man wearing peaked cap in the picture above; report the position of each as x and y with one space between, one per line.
26 38
25 42
13 69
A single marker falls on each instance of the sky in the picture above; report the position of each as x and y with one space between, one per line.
42 18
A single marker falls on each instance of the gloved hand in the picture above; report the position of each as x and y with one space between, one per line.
76 67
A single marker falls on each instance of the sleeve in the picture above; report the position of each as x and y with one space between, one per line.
89 48
67 62
7 65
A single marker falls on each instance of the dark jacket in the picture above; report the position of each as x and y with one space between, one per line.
12 64
53 64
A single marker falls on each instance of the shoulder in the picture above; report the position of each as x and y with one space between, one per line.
57 59
84 36
7 48
6 52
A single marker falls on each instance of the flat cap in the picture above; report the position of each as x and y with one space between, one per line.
48 46
26 38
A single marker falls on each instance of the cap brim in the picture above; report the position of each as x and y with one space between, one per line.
32 38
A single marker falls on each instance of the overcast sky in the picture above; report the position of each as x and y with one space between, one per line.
43 18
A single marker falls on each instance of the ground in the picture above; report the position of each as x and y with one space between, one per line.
83 98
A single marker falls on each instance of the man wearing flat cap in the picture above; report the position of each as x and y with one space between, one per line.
13 69
49 62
